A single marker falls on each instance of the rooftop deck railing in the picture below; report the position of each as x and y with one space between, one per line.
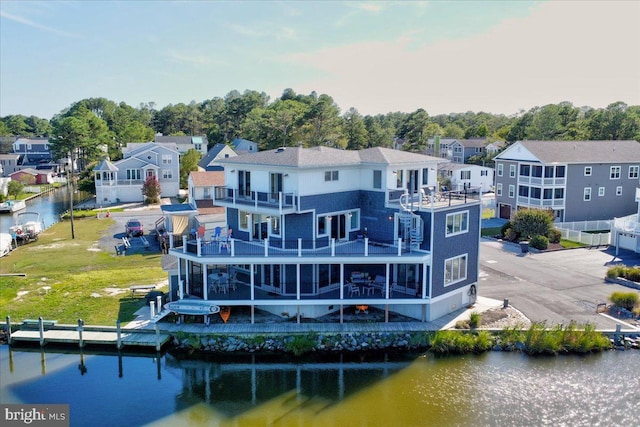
254 199
427 198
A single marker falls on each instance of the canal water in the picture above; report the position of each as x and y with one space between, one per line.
49 206
506 389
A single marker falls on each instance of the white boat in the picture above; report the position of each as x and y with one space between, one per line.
11 206
27 227
193 307
6 244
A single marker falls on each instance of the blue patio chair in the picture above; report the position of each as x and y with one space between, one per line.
216 234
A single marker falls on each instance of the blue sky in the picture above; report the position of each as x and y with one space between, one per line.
376 56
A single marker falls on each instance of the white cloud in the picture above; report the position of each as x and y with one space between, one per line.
585 52
197 58
30 23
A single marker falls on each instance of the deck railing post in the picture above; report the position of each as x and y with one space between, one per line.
232 246
171 241
266 247
333 246
184 244
199 246
399 247
159 304
299 247
41 330
9 330
118 335
80 329
152 309
366 246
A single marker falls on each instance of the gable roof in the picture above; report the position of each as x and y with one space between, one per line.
183 140
472 142
211 155
577 151
322 156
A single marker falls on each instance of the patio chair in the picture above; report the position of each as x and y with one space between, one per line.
216 234
353 289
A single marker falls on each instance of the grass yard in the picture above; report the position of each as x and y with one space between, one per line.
70 279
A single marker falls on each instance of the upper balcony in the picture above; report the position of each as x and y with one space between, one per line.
275 203
428 199
220 250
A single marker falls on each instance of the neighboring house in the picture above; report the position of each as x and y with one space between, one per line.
201 185
217 152
578 180
467 177
33 150
313 231
456 150
494 147
244 146
626 230
9 163
33 176
186 143
121 181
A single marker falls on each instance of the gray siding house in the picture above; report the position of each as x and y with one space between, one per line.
578 180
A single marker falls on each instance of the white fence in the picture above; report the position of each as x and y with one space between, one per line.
583 232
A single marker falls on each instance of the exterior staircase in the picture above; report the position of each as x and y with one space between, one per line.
412 225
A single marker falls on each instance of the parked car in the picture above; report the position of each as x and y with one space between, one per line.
133 228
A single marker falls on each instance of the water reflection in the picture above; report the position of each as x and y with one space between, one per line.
407 389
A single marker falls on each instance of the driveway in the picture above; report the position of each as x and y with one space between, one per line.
556 287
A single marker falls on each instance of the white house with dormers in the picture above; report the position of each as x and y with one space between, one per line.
121 181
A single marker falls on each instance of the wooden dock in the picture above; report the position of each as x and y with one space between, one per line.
82 336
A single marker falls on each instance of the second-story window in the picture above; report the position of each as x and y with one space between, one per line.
465 174
167 174
614 172
244 183
166 159
377 179
633 172
587 171
500 169
512 171
587 194
457 223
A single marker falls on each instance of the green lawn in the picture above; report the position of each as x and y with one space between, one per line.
70 279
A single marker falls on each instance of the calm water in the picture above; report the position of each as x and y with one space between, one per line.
492 389
50 206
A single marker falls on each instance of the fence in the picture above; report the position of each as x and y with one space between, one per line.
584 232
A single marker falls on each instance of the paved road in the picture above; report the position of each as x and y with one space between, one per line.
555 287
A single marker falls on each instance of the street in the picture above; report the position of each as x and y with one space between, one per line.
556 287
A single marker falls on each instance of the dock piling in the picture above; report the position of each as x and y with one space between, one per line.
158 345
118 335
41 331
9 330
80 328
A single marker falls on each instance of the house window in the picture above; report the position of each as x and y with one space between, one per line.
455 269
614 172
587 194
536 171
134 174
377 179
525 170
558 193
619 190
244 183
587 171
324 225
166 159
465 174
244 218
512 191
207 192
548 194
484 173
331 176
399 178
560 171
500 169
167 174
523 191
425 176
498 189
633 172
600 191
274 225
534 193
457 223
512 171
354 219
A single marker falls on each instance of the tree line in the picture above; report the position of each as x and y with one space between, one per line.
308 120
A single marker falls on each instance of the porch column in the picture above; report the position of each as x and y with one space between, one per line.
205 291
424 280
297 281
252 282
180 289
199 246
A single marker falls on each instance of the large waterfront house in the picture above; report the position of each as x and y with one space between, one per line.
121 181
577 180
313 231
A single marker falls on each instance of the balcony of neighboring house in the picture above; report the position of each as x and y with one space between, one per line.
429 198
274 203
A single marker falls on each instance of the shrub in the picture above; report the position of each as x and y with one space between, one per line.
633 274
554 235
625 300
503 230
474 319
615 271
301 344
511 235
532 222
539 242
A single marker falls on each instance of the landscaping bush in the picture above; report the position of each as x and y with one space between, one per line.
532 222
616 271
539 242
626 300
511 235
554 235
503 230
474 319
633 274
